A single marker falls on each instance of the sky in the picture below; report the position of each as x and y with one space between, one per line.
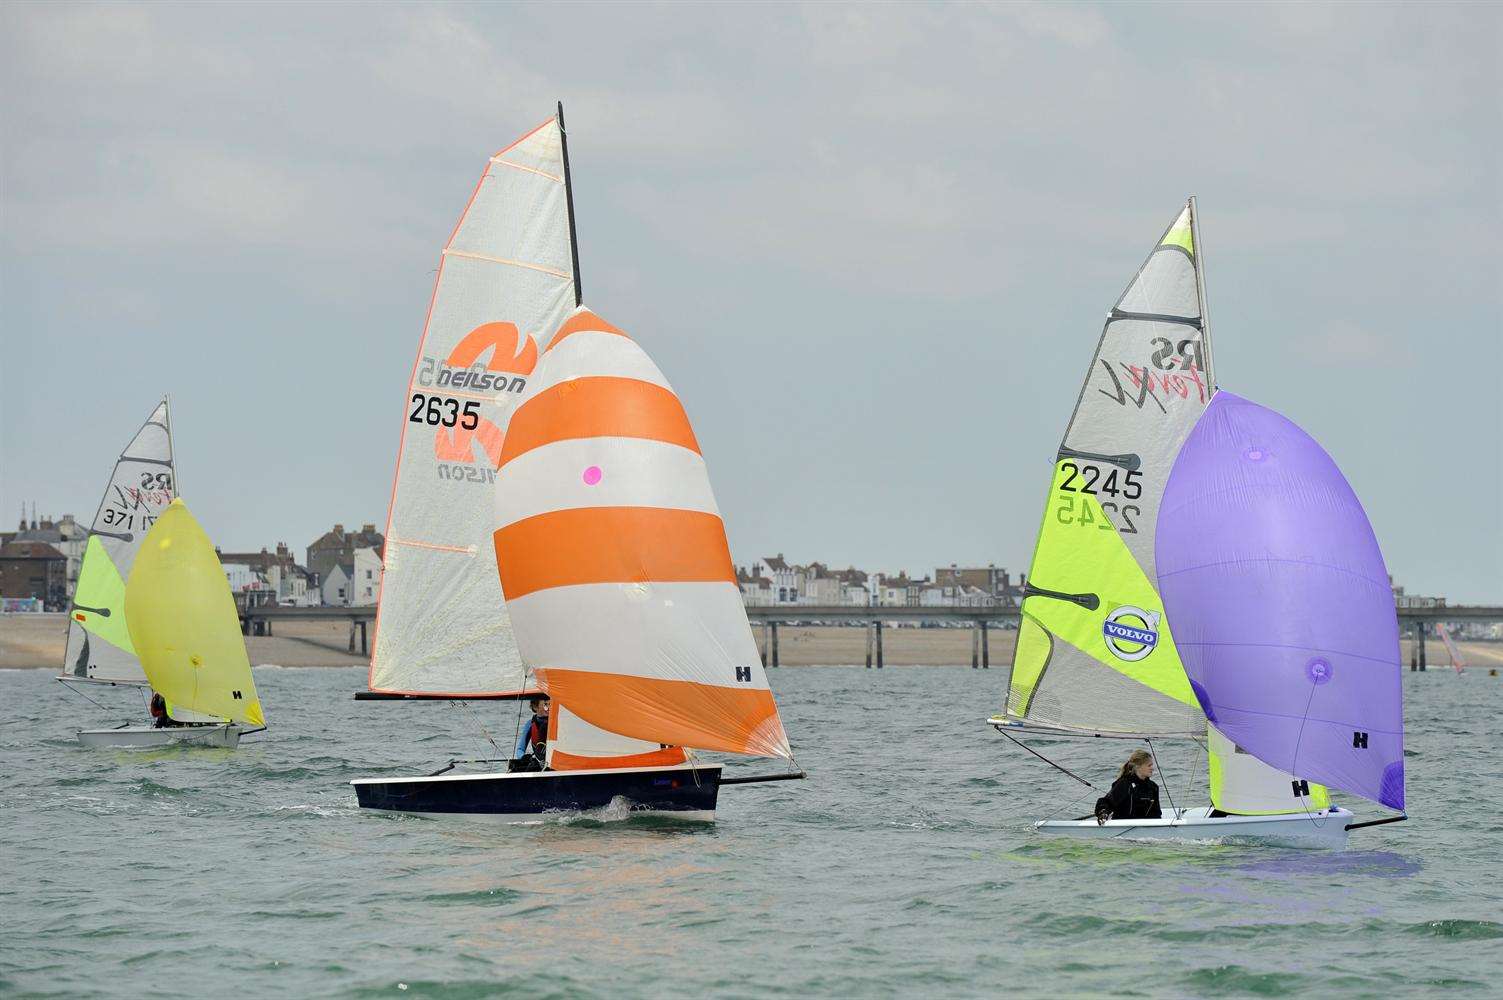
871 246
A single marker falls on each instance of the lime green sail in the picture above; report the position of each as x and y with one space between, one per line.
184 625
1095 653
99 599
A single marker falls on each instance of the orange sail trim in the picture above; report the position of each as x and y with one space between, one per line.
581 322
736 720
598 407
564 548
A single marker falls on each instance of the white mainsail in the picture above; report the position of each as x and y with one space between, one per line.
141 486
506 280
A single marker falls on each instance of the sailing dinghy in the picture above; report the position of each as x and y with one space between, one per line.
558 535
183 626
1175 503
99 653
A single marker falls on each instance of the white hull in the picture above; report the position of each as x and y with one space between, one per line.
142 737
1322 830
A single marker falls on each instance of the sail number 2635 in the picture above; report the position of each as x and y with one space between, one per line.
1088 479
441 411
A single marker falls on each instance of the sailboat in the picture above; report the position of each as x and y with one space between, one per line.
183 627
1457 663
1204 572
143 482
552 531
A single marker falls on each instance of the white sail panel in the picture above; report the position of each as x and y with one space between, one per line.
505 282
141 486
575 745
1243 785
1095 653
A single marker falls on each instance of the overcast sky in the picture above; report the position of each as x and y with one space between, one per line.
871 247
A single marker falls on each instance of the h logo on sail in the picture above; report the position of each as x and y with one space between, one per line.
744 675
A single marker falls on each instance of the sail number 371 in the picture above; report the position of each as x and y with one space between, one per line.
1088 479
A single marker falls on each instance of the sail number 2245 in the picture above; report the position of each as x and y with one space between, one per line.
1088 479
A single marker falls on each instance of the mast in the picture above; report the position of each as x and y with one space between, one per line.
1200 287
171 448
563 138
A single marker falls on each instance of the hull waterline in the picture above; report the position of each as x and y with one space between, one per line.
1322 830
683 791
142 737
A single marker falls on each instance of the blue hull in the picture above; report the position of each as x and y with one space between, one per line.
689 792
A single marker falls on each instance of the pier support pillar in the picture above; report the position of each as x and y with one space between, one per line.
986 647
1419 631
364 647
352 635
868 627
975 645
879 644
766 642
774 626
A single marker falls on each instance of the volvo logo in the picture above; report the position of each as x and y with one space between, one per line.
1131 633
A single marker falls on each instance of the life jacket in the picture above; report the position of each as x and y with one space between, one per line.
537 732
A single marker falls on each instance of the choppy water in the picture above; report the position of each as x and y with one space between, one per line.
905 866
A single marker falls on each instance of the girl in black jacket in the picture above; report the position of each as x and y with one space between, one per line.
1133 795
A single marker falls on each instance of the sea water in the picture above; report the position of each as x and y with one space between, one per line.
905 865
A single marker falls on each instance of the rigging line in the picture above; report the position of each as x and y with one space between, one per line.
478 724
70 687
1046 760
1159 769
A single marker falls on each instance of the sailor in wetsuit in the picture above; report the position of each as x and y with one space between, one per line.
532 742
1133 795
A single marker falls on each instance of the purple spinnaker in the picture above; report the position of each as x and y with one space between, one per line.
1280 603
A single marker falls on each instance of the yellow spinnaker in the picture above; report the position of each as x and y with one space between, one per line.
183 622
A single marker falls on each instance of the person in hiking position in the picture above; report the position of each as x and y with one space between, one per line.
533 740
1133 795
159 713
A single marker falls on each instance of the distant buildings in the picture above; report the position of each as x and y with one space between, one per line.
354 584
270 578
337 546
36 570
773 580
65 535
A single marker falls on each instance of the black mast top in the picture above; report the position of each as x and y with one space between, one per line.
569 199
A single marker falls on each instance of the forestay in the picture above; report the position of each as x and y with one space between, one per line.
505 280
184 623
1095 652
140 488
1281 602
614 560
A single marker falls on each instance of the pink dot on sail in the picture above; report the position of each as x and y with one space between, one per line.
592 475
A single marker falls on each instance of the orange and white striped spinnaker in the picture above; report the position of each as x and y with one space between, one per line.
613 558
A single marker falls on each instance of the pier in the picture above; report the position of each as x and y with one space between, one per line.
1413 622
